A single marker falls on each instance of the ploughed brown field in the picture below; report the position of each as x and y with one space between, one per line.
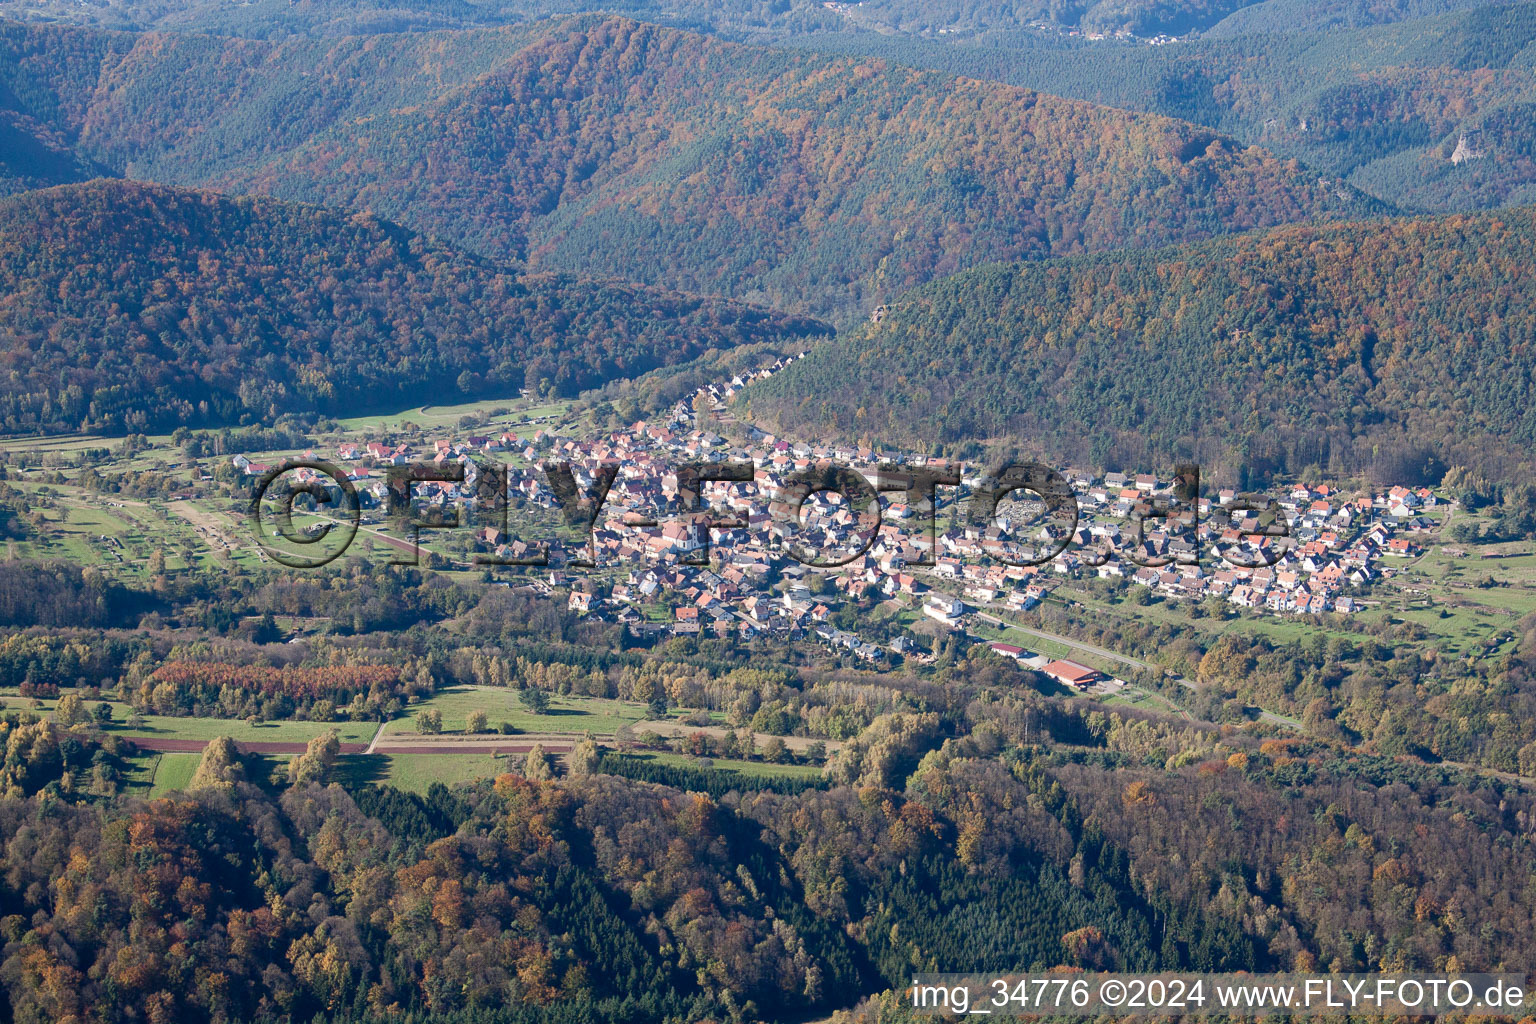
169 745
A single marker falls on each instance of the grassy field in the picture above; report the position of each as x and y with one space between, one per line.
1467 599
172 772
1280 629
269 732
1462 618
55 443
417 772
566 714
749 769
573 714
441 416
91 529
140 774
118 534
155 775
44 706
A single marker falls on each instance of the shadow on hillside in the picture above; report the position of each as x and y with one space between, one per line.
354 770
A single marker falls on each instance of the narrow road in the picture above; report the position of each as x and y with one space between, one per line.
374 531
1076 645
1086 648
1274 719
375 741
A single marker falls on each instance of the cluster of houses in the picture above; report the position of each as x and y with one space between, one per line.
1333 546
723 564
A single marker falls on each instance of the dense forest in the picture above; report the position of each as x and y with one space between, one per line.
605 146
1386 107
1391 346
1331 15
596 898
129 306
34 156
980 19
971 17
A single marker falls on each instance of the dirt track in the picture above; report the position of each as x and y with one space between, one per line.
474 748
520 743
167 745
416 745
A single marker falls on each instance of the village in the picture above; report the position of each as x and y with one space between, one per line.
723 564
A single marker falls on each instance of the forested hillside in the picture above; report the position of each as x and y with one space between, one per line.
1327 15
1140 17
607 146
736 19
271 19
1332 350
596 898
129 306
1385 106
34 156
731 18
987 18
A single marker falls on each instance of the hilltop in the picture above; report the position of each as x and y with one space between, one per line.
131 306
1385 345
1384 106
602 145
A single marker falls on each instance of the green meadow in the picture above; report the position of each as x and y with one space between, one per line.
568 714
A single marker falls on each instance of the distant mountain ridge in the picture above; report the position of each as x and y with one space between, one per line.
1385 106
733 19
127 306
608 146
